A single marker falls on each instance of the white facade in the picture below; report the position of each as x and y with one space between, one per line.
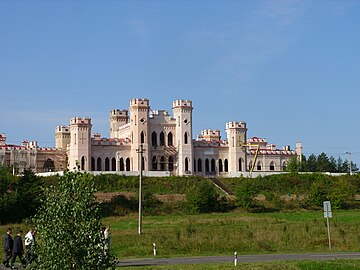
168 144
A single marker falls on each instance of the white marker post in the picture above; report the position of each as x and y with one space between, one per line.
327 215
235 258
154 249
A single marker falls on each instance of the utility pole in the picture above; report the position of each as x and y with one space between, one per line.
140 151
349 153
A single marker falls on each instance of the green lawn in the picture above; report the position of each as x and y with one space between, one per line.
224 233
294 265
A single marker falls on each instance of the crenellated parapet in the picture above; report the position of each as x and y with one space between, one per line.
235 124
80 121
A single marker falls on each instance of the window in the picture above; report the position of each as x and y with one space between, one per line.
154 164
162 139
170 139
212 165
49 165
258 166
142 137
93 164
98 164
113 164
128 164
154 139
226 165
194 165
162 163
220 165
185 138
171 164
199 165
107 164
121 165
186 164
82 163
272 166
207 165
240 164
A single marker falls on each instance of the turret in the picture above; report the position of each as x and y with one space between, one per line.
139 122
62 137
80 143
236 136
118 118
182 111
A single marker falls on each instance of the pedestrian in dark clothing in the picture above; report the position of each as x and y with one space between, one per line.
18 250
8 246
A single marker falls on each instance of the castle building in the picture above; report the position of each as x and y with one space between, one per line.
165 141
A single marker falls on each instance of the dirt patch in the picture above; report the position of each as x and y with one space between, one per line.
107 196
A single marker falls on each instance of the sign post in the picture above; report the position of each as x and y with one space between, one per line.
327 215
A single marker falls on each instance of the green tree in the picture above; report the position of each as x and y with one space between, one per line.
245 193
311 163
69 226
202 197
293 165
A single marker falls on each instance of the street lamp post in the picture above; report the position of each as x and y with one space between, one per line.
349 153
140 151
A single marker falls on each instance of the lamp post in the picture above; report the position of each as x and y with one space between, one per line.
349 153
140 151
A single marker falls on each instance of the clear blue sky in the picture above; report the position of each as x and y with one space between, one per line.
290 69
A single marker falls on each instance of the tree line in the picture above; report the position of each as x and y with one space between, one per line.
320 163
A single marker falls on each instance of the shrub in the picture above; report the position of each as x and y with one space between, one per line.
202 197
245 193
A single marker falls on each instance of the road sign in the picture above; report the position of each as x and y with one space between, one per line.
327 209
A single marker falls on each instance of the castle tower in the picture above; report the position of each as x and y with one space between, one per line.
182 111
236 136
298 151
118 118
62 137
80 143
139 126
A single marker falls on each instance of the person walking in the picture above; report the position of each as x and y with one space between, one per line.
29 245
8 246
107 241
18 250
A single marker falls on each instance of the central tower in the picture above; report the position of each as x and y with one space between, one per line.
182 111
139 123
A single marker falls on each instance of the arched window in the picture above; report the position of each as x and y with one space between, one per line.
49 165
98 164
220 165
154 164
272 166
82 166
153 139
171 164
194 165
185 138
122 167
128 164
186 164
207 167
170 139
113 164
240 164
162 163
107 164
199 165
258 166
284 166
93 164
212 165
162 139
142 137
226 165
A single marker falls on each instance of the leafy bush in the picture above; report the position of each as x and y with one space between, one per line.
245 193
202 197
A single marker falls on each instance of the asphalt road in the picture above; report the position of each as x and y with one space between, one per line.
240 259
